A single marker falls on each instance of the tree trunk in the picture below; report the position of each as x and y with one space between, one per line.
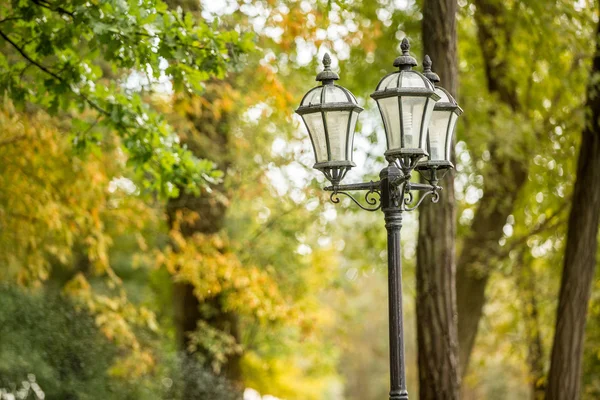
526 283
500 191
502 182
564 380
436 261
207 139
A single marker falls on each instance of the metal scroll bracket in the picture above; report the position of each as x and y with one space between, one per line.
429 190
372 196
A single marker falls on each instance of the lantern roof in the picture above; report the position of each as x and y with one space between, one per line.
446 101
328 96
405 80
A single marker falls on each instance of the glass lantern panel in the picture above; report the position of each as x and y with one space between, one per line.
350 146
426 120
353 98
334 95
337 130
390 113
411 79
437 134
313 97
451 128
443 96
412 117
314 124
389 82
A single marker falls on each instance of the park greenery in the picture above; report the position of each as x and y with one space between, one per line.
162 235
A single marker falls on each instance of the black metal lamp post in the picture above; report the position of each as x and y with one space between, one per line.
419 120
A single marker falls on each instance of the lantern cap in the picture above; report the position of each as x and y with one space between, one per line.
432 76
405 82
405 61
327 76
328 96
447 101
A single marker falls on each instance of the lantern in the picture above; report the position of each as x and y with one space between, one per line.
442 125
405 99
330 113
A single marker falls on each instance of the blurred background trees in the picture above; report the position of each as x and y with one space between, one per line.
163 236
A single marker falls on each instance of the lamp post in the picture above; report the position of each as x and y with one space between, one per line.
419 119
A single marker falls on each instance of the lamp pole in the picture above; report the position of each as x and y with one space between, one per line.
393 224
395 196
419 120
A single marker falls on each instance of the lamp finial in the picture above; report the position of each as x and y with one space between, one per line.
405 62
327 76
326 61
405 46
429 74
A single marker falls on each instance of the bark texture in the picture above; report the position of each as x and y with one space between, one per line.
503 179
436 261
564 380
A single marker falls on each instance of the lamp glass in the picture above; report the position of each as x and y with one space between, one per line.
334 94
316 130
337 130
313 97
390 113
412 118
437 134
412 79
350 147
450 133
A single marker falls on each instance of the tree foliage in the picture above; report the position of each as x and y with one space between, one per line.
78 55
45 335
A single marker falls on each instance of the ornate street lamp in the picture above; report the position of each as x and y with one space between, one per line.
405 99
442 125
419 120
330 112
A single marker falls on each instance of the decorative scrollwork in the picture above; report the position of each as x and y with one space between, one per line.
408 200
370 199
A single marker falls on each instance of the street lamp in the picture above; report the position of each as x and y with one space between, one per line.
419 119
405 99
442 125
330 112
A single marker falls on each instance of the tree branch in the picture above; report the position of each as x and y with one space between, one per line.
48 5
547 225
10 19
52 74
